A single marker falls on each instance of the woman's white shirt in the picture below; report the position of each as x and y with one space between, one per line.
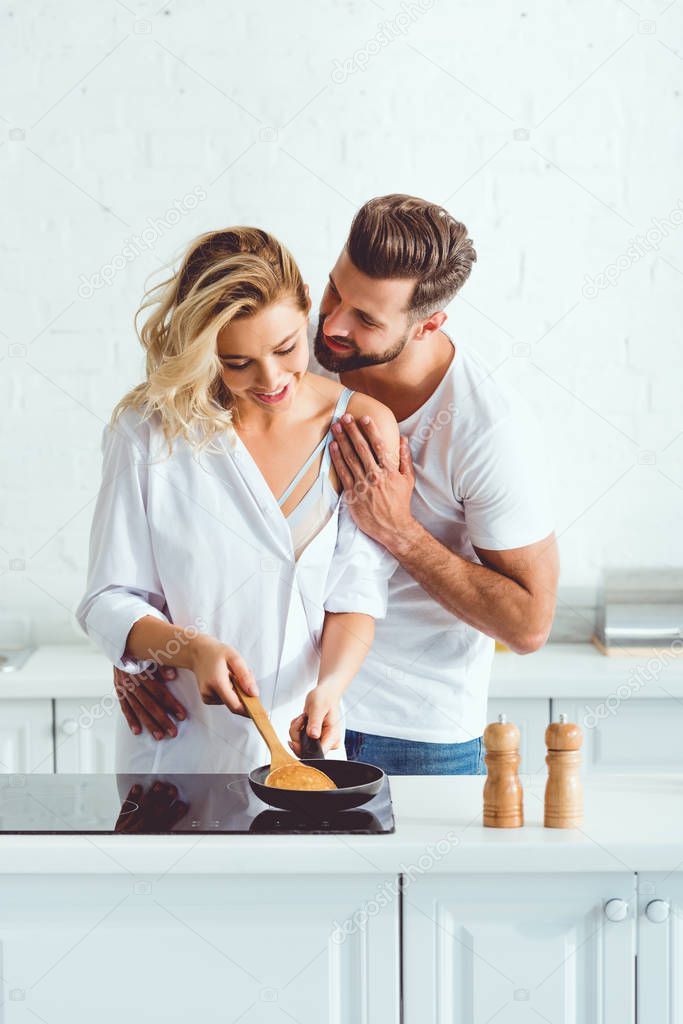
198 539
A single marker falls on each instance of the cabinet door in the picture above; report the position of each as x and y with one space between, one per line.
532 716
660 948
26 736
627 734
84 735
520 948
199 948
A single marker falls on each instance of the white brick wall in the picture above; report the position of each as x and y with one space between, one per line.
552 130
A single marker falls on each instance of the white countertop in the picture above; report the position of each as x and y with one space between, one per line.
630 824
558 670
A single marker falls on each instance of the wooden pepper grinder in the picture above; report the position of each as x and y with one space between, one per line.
503 796
563 790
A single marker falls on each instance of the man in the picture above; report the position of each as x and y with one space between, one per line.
464 512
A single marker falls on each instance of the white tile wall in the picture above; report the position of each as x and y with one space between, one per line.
552 130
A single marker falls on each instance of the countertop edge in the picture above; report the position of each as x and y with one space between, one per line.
630 825
77 671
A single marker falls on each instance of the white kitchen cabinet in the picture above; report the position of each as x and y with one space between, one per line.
481 948
660 948
207 948
84 735
637 734
26 736
532 716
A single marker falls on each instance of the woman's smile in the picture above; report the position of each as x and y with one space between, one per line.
272 397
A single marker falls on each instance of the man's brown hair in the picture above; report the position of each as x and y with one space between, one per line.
399 236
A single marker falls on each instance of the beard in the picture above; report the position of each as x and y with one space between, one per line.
355 360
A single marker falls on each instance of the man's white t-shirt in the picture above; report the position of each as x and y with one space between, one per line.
479 482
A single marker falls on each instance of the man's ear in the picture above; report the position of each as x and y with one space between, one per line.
433 323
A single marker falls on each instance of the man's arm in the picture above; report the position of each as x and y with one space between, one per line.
511 596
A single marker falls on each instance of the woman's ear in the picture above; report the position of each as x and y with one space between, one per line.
308 298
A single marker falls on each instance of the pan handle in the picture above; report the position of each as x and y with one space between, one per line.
309 747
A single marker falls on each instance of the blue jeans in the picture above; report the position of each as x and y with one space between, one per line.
409 757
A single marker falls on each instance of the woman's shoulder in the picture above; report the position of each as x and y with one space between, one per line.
363 405
358 405
328 388
134 419
327 392
136 424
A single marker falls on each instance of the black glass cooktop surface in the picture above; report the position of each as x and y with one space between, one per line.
161 804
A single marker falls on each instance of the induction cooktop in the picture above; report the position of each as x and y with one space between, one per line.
161 804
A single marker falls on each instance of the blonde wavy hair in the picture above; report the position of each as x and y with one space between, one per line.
224 276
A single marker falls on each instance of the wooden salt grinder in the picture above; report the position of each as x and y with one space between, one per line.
503 796
563 790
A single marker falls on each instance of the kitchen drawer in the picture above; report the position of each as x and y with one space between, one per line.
484 949
261 950
532 716
26 736
627 735
84 734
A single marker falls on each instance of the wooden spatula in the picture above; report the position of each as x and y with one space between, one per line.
285 771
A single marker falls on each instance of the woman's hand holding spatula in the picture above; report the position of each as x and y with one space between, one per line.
217 667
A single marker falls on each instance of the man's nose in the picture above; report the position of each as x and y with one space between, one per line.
337 324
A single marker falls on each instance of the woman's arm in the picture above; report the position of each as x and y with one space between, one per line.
358 579
123 582
122 607
212 661
346 639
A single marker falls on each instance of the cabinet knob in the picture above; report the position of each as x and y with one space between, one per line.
616 910
657 911
69 726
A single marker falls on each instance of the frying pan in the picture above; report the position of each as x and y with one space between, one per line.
356 784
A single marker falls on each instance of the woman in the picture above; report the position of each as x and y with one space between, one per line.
219 544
